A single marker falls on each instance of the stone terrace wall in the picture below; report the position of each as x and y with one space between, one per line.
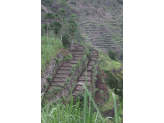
50 70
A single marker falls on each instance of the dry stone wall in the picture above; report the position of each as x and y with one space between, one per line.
50 70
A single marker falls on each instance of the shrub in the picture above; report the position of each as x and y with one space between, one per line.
66 41
68 79
87 52
71 72
49 78
57 60
56 89
69 57
94 79
93 70
112 55
115 81
49 92
101 91
73 66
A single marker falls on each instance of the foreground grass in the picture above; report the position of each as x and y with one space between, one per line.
75 113
49 48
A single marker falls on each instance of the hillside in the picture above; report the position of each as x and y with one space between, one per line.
65 67
100 22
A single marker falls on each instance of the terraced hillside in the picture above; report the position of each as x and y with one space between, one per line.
101 21
100 37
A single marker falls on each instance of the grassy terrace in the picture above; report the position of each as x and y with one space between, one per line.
49 48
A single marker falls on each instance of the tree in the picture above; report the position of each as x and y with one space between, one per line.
62 20
48 17
72 27
57 27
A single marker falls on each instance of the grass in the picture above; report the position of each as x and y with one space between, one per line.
74 113
49 49
107 63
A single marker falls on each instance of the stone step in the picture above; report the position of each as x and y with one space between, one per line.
83 78
61 76
94 54
75 92
79 88
77 53
83 82
68 64
77 58
93 59
65 68
88 73
73 61
58 84
63 72
90 68
79 48
92 62
58 80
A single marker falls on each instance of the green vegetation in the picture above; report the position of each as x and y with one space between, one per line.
49 49
112 55
68 57
73 113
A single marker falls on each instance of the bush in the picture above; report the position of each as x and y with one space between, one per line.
112 55
69 57
66 41
57 60
49 78
115 81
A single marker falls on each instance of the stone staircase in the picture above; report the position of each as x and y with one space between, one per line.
79 89
60 78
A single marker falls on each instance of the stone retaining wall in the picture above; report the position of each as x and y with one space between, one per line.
50 70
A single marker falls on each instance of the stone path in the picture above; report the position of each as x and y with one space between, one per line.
81 79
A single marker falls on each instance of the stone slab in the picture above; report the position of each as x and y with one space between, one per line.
83 78
58 80
88 73
65 68
62 75
83 82
63 71
90 68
